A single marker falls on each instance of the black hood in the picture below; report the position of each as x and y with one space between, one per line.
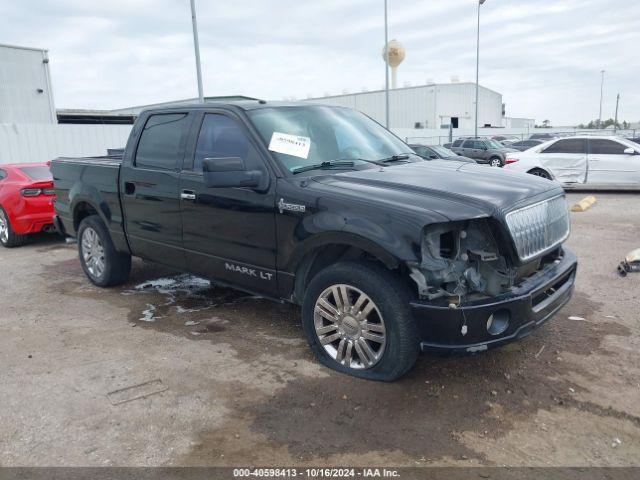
455 190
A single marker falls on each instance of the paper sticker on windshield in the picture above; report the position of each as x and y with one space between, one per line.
290 144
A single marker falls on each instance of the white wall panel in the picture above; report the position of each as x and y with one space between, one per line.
28 143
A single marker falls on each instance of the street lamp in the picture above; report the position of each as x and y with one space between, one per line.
601 91
480 2
386 67
196 47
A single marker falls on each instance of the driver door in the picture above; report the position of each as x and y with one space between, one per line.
228 233
609 165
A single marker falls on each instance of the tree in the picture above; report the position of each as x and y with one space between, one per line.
546 123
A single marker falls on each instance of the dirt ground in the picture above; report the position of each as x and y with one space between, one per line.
170 370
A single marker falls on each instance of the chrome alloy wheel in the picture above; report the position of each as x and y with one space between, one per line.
93 252
4 227
496 162
349 326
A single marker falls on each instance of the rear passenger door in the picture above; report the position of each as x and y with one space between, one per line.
566 159
469 149
228 233
149 186
609 165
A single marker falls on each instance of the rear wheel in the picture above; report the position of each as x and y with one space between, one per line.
8 238
538 172
357 320
495 162
101 262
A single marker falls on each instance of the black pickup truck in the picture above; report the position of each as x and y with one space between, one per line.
386 253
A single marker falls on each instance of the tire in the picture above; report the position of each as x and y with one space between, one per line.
389 319
496 162
100 260
538 172
9 238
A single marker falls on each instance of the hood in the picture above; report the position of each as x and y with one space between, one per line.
455 190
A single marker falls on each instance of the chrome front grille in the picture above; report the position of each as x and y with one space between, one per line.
538 228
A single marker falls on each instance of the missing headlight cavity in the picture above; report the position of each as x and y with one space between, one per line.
459 259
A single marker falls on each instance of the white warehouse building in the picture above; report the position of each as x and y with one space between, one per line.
26 95
428 106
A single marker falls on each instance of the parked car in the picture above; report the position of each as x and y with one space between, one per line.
541 136
523 145
437 152
321 206
484 150
26 202
607 161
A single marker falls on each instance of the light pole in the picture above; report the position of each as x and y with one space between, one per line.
601 91
196 47
480 3
615 121
386 67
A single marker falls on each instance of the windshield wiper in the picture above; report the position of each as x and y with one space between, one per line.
324 165
396 158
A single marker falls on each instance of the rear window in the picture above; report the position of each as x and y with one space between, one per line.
569 145
39 174
457 143
3 174
160 145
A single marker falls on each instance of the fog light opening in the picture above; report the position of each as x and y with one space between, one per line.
498 322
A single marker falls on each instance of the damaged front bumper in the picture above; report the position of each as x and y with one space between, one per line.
491 322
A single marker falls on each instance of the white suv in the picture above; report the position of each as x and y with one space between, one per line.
596 161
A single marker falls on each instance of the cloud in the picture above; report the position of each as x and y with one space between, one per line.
544 56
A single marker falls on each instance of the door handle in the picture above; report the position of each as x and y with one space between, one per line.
129 188
187 195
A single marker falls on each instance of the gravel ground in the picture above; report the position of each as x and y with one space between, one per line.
169 370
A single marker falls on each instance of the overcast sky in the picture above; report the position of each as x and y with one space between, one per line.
544 56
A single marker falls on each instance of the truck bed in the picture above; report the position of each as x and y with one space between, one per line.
84 181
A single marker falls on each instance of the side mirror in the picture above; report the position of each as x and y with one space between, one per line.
229 172
630 151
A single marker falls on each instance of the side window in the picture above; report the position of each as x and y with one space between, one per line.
480 145
468 144
221 136
160 143
3 174
457 143
602 146
567 145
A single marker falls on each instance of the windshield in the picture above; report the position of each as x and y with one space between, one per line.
442 151
309 135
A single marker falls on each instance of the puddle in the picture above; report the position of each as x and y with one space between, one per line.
182 294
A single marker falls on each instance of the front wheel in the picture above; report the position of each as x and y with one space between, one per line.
495 162
357 320
100 260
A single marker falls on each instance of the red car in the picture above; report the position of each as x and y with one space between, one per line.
26 201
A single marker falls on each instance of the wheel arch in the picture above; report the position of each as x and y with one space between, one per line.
538 167
331 247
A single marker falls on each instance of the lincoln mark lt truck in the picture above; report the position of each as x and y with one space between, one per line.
386 254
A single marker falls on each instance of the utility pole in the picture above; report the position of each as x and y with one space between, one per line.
480 2
615 122
601 92
386 67
196 47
